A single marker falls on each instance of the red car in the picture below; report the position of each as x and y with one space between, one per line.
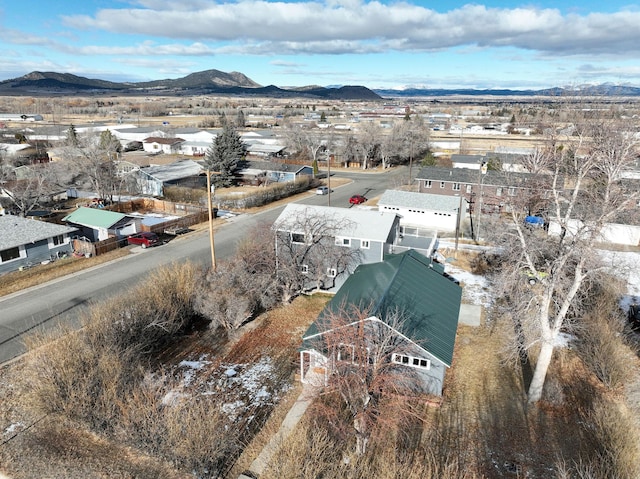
144 239
357 199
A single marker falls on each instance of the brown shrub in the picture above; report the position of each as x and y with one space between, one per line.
85 374
601 336
615 429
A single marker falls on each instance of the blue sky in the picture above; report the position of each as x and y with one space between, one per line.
378 44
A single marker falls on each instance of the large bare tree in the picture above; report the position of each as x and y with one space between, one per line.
307 253
585 190
93 157
373 390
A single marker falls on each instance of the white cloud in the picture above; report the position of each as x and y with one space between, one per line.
354 25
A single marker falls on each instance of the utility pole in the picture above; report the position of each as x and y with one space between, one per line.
213 249
458 219
481 172
329 178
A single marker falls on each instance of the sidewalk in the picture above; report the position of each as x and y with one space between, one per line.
290 421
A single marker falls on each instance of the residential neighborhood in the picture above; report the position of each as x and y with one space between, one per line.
474 293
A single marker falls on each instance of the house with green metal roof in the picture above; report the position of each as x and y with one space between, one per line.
408 286
99 224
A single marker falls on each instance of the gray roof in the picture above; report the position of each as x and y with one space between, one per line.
273 166
174 171
470 159
466 175
16 231
425 201
363 224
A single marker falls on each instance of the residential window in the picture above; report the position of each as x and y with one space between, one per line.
427 183
442 184
512 191
343 241
456 187
498 191
345 352
304 269
56 241
468 188
9 254
297 238
411 361
364 244
332 272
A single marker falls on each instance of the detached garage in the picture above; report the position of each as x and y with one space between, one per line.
422 210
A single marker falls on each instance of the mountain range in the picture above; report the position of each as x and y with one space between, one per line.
208 82
215 82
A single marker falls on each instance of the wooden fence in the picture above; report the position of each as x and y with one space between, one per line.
189 215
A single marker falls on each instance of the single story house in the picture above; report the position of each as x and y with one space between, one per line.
408 286
423 210
25 241
99 224
152 180
473 162
264 172
156 144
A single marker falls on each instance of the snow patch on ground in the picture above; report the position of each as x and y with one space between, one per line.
476 288
625 265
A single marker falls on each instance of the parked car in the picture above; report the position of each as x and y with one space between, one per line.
322 190
144 240
357 199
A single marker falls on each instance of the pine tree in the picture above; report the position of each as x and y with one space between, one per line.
224 156
72 136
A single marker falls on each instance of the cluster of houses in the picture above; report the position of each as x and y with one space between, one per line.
396 272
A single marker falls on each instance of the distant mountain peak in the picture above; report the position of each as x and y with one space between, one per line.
198 83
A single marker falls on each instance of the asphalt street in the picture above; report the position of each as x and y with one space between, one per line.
63 300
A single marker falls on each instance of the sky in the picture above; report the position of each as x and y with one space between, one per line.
377 44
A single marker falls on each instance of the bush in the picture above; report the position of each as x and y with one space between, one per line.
85 374
614 429
601 336
264 196
179 194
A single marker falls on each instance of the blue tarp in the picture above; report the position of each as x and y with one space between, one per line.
534 220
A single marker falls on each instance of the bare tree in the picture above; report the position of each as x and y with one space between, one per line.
94 158
244 286
308 253
307 141
370 385
28 189
586 190
369 140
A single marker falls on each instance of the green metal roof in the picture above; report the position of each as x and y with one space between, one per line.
411 283
94 217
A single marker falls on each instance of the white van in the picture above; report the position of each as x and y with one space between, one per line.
322 190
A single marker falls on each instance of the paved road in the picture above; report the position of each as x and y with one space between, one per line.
63 300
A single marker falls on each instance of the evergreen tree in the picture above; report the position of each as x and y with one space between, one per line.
224 156
72 136
109 143
240 119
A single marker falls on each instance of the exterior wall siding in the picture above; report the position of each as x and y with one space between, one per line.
36 253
